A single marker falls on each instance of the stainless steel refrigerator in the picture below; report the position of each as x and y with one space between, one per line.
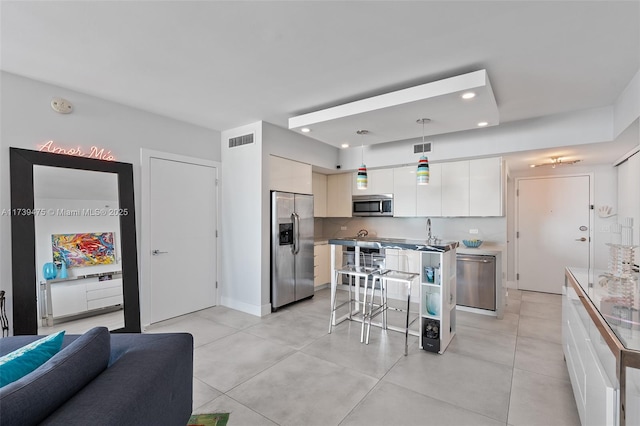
291 248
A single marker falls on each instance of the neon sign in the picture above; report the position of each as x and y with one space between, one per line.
94 151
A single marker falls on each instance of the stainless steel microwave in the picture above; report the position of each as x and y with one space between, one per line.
372 205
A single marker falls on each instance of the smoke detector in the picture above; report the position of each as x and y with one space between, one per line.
62 106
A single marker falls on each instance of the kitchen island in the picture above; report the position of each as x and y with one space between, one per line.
436 267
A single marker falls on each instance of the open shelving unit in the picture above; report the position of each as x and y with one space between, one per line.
437 300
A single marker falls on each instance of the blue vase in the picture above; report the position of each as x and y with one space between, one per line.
49 271
433 303
63 270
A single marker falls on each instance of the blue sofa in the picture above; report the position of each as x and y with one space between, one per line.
104 379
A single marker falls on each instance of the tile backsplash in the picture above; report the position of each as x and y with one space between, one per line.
490 229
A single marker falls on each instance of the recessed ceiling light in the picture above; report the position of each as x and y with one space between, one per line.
344 145
483 124
468 95
305 130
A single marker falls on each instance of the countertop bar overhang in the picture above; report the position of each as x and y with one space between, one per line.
393 243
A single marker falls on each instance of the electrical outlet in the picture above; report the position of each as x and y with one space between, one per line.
343 228
473 231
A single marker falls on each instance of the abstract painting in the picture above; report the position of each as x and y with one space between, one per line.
86 249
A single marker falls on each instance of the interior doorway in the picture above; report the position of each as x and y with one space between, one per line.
180 248
553 229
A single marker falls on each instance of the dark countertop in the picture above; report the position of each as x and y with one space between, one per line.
393 243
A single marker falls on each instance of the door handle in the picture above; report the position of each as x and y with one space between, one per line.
295 249
581 239
157 252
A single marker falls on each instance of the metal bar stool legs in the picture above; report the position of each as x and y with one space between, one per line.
374 310
385 277
354 273
406 329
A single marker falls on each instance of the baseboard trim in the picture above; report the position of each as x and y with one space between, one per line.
259 311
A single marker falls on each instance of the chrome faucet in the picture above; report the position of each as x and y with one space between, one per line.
430 238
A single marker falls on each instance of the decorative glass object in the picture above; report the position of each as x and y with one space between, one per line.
63 270
49 271
362 181
433 303
422 174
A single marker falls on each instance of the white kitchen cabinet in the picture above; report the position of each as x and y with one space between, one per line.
380 181
319 186
339 195
321 264
429 197
455 188
289 176
404 191
486 187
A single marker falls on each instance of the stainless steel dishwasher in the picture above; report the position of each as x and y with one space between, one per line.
476 281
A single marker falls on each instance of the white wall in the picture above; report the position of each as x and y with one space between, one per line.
28 120
628 173
242 214
629 196
245 209
627 107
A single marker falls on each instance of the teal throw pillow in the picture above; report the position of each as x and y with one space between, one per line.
23 361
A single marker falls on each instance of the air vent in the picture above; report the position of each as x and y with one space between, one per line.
241 140
422 147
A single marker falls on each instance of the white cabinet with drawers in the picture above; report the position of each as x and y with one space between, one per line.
76 296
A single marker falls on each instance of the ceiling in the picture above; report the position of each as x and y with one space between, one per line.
437 107
223 64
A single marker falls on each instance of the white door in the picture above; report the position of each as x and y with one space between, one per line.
552 230
182 200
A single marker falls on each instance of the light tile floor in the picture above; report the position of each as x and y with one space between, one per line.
285 369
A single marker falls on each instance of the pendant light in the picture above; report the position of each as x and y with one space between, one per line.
362 182
422 174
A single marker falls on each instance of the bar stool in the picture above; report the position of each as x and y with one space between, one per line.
381 308
383 277
354 273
